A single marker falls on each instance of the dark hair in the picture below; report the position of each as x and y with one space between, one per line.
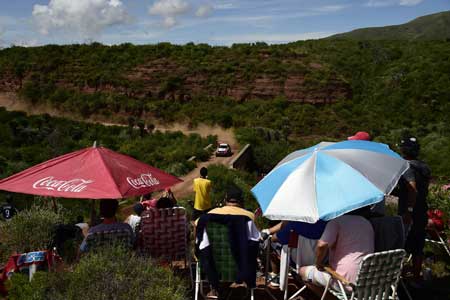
362 211
148 196
79 219
234 195
164 202
203 172
108 208
138 208
409 146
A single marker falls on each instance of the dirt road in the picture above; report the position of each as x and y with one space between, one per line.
12 102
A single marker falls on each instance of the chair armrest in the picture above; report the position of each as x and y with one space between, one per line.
337 276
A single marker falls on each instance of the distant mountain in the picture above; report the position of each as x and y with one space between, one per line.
429 27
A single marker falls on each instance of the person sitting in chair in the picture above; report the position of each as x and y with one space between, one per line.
108 209
347 239
240 223
308 234
135 219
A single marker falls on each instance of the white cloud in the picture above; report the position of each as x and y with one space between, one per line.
88 18
380 3
410 2
223 6
330 8
384 3
169 10
269 38
204 10
2 42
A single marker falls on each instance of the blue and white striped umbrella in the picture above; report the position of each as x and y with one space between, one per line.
329 180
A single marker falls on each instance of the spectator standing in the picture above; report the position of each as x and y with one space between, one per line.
378 209
360 136
412 202
202 189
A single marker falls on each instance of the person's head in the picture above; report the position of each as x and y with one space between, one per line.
233 196
147 196
79 220
362 211
138 208
203 172
108 208
409 147
360 136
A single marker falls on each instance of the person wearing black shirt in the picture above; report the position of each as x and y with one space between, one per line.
8 210
412 203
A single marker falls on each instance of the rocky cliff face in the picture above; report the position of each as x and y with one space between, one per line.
165 79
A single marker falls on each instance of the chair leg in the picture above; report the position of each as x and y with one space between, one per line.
286 274
444 244
326 289
405 289
197 280
252 294
297 293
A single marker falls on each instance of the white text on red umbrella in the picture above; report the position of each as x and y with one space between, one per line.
146 180
74 185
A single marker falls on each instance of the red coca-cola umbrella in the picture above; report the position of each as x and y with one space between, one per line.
90 173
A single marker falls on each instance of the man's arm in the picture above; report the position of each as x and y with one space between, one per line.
412 194
321 253
274 230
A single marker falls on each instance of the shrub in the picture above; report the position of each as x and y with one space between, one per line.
29 230
114 273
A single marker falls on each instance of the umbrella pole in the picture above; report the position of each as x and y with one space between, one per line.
55 208
93 213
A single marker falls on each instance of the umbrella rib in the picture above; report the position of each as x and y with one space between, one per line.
39 167
359 172
314 182
109 174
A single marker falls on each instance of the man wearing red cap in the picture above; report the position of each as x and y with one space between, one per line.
360 136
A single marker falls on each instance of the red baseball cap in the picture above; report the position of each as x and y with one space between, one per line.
360 136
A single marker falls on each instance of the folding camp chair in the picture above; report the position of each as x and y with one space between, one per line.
101 239
437 238
163 234
224 261
285 265
377 278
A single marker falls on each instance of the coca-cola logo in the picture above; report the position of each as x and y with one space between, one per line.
145 180
76 185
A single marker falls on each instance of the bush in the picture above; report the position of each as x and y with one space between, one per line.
111 274
222 178
29 230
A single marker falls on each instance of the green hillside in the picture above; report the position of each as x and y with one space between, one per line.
430 27
391 87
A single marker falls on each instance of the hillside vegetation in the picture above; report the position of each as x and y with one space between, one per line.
27 141
430 27
388 88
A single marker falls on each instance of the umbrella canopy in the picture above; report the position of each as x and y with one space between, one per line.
91 173
329 180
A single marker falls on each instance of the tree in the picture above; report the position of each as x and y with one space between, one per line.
141 125
131 123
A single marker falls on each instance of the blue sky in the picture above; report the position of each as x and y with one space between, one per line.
217 22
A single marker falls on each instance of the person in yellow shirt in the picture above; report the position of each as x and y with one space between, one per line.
202 189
